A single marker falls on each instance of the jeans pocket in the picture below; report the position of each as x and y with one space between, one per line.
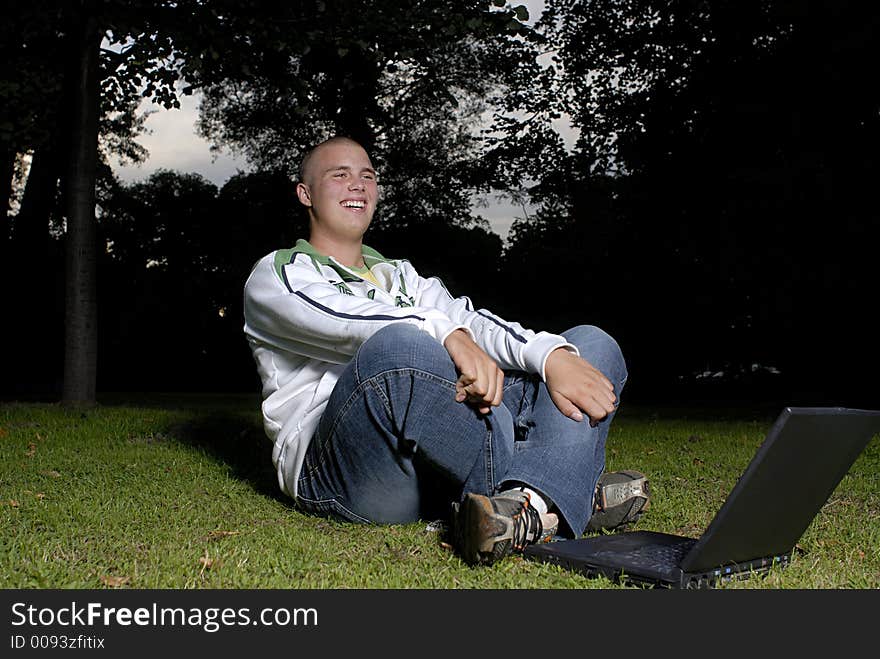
329 508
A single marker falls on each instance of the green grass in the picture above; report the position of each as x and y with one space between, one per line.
179 492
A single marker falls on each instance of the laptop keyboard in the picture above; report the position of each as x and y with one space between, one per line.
656 557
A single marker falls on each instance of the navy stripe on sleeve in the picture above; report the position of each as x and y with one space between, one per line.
339 314
507 329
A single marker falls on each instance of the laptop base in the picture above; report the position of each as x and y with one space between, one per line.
803 458
644 558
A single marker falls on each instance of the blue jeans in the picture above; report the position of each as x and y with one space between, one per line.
393 445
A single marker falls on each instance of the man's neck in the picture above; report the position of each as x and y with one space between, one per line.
348 253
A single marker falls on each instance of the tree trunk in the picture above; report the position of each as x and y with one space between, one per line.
81 323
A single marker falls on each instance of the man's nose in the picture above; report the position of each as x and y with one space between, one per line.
356 184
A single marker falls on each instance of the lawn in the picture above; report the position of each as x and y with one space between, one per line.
177 491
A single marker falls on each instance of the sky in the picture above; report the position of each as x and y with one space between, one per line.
171 140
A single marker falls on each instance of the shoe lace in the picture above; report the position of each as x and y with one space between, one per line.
527 526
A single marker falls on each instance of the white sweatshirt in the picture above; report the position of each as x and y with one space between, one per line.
306 315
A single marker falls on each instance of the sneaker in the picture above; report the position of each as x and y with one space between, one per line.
620 499
486 529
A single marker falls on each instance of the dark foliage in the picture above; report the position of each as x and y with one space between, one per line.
717 214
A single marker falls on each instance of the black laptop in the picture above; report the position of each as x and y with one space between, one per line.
805 455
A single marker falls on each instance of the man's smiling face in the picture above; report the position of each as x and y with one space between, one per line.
339 188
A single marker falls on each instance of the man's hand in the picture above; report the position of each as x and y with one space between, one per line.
480 381
578 387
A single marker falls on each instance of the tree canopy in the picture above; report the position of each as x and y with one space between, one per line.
417 83
720 183
715 213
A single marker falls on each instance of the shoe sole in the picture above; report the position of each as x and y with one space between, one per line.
477 528
616 494
615 498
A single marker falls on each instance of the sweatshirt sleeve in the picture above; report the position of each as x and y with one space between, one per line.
296 309
510 344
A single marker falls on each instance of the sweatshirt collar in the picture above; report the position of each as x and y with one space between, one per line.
371 256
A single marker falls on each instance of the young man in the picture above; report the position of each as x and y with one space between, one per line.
387 398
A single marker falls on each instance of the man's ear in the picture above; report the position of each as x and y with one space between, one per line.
302 191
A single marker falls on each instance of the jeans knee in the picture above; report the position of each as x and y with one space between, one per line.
402 346
600 349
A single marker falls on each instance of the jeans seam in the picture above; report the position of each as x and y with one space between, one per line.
525 412
330 502
490 461
373 385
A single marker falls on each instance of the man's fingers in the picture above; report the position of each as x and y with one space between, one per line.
464 379
480 381
567 407
485 391
599 387
480 392
600 378
606 399
578 388
499 388
596 407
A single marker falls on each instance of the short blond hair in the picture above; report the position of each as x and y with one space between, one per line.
304 165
